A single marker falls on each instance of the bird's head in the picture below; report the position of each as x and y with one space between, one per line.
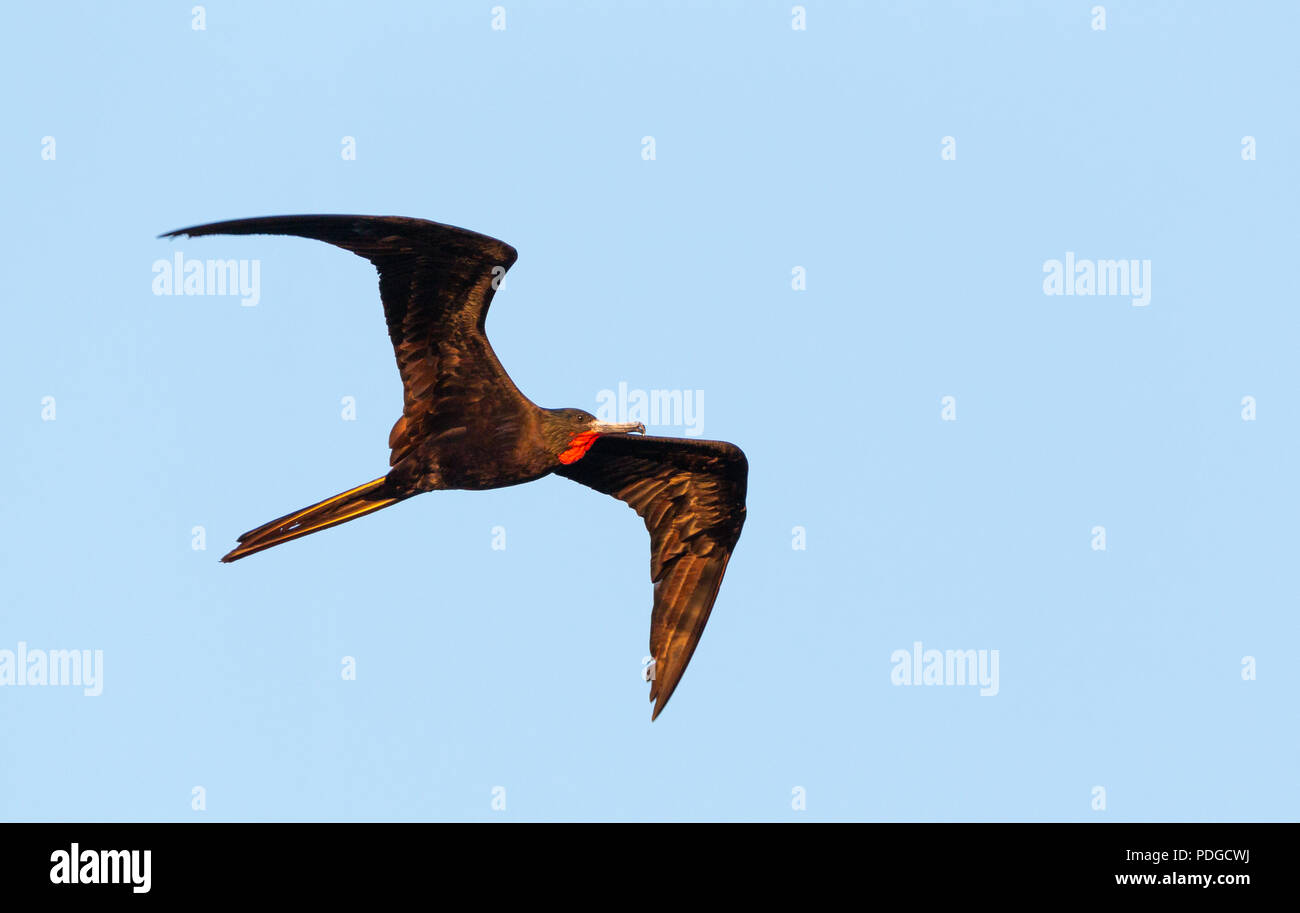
571 432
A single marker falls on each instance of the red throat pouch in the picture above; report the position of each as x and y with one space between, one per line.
578 447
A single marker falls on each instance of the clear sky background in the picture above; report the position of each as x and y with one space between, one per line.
774 149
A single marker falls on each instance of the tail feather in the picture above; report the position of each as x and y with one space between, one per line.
353 503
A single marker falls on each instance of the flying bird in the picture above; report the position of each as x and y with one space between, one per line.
465 425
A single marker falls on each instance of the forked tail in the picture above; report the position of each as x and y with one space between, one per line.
357 502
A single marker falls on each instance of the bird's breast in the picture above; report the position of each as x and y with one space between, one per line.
491 458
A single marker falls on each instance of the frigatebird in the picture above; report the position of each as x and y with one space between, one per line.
465 425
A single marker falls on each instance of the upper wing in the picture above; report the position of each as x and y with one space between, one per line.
436 282
691 495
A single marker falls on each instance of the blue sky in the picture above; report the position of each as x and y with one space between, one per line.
774 148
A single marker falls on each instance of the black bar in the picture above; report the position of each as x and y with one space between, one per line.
238 861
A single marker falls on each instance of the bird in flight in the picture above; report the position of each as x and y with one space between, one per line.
465 425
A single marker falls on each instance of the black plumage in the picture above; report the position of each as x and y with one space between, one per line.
465 425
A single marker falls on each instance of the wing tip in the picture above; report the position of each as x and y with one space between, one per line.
196 231
660 698
228 226
313 226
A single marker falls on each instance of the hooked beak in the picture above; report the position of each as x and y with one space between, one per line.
617 427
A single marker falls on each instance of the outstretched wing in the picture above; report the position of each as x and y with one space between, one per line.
436 282
691 495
